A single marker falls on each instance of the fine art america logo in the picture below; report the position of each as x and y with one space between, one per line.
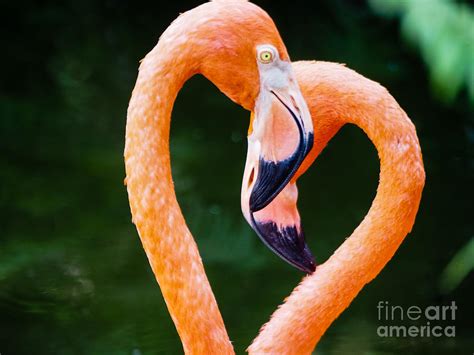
416 322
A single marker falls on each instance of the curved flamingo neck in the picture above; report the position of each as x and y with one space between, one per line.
337 95
168 243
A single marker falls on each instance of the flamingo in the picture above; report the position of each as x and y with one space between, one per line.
236 45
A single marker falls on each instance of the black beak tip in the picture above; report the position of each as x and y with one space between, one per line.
303 261
288 244
307 263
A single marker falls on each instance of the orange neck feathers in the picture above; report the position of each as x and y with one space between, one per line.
336 96
170 247
217 40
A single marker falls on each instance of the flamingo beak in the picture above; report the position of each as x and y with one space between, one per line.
279 227
280 137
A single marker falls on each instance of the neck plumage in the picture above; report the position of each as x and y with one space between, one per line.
337 95
170 247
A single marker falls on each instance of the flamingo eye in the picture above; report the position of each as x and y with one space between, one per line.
266 55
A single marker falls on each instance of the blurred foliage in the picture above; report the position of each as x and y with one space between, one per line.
443 31
458 268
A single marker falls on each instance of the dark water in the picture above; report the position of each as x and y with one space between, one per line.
73 276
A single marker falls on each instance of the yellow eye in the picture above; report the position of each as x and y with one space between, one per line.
266 56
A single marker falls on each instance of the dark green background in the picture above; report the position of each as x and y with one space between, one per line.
73 276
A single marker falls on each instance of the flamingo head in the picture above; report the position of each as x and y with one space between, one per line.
246 59
280 137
